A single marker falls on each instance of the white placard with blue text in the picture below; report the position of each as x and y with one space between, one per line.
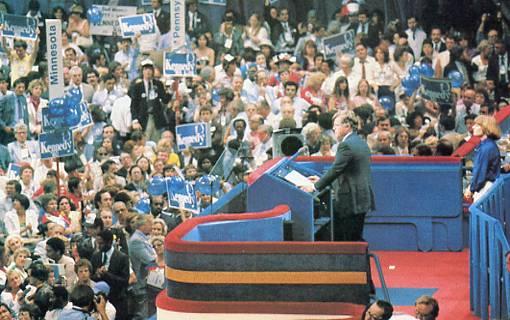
56 144
178 24
141 23
180 64
194 135
54 56
18 26
109 25
183 197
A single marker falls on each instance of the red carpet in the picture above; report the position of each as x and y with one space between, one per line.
446 271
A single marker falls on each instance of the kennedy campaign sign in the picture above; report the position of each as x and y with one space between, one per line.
179 64
181 194
55 60
438 90
56 143
18 26
338 43
195 135
109 25
132 25
52 123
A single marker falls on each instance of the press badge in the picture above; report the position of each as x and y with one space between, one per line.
502 69
152 95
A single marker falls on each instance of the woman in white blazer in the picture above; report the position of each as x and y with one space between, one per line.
35 104
21 220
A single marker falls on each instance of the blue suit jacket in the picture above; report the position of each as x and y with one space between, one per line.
7 112
141 255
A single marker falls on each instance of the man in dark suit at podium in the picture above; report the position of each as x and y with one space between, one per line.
351 169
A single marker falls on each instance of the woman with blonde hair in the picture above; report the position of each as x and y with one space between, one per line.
487 161
14 291
19 261
159 228
480 63
312 92
34 105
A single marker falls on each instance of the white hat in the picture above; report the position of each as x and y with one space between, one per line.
146 63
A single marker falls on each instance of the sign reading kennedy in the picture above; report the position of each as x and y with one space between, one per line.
56 144
437 90
132 25
179 64
109 25
195 135
15 26
338 43
181 194
51 123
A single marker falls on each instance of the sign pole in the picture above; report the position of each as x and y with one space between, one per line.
55 68
58 177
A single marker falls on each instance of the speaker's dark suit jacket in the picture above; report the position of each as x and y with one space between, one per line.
351 170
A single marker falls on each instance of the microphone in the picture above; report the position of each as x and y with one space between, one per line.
303 151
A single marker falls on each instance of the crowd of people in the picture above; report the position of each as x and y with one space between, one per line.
75 239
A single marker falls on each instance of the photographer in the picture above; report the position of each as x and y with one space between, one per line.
84 303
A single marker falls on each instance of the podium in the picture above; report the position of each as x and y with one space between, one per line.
311 213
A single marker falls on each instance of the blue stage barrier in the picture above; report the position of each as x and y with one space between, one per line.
489 279
267 229
418 199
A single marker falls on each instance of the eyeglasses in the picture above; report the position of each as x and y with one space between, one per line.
158 203
158 244
103 154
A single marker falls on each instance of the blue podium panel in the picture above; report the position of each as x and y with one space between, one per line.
272 189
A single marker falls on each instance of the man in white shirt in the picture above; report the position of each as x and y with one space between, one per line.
265 134
106 97
125 54
416 36
121 115
23 150
363 65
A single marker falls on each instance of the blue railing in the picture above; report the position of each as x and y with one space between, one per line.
489 234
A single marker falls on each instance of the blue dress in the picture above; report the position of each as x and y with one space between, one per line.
487 164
